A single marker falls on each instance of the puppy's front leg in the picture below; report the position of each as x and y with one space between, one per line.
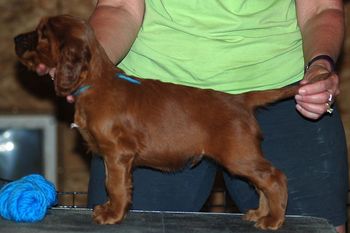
118 184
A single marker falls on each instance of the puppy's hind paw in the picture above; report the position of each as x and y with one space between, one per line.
269 223
253 215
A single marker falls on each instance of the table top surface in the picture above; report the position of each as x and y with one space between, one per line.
80 220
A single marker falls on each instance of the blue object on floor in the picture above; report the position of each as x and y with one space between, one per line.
27 199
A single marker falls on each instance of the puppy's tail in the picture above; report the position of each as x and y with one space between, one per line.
256 99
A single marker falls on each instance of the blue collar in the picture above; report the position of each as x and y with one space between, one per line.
81 90
118 75
127 78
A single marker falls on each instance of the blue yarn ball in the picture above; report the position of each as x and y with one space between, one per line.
27 199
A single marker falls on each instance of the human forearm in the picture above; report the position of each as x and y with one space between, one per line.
116 24
322 31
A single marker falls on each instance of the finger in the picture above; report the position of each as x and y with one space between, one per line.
41 69
316 88
318 109
329 82
307 114
70 99
319 98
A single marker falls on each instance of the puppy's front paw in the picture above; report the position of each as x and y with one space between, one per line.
106 214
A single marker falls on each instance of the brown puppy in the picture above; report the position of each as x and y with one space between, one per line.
133 122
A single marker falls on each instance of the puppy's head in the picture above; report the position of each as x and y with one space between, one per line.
60 42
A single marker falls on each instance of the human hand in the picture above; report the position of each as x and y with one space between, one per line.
42 69
315 98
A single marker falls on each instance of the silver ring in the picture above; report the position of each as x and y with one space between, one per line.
329 108
330 98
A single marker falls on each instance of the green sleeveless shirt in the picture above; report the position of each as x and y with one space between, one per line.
232 46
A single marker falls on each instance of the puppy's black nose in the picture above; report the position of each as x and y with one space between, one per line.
25 42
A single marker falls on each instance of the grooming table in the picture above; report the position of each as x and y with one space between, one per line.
79 221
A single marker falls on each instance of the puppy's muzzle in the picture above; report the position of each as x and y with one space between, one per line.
25 42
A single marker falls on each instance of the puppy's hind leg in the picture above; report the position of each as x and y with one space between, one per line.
270 183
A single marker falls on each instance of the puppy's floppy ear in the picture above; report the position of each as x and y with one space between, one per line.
73 53
72 66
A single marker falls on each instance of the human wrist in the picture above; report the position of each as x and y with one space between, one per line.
323 60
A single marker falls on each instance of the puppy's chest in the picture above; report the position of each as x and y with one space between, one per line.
81 125
88 138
